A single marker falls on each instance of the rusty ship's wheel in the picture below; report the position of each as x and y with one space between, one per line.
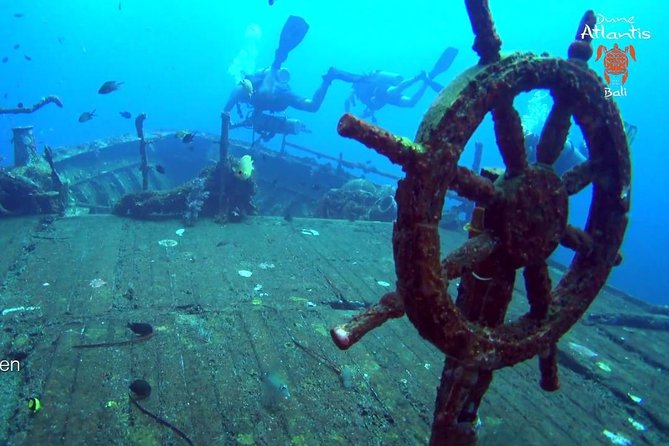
525 208
521 218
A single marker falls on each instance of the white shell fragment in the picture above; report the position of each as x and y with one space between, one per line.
582 350
636 425
310 232
636 399
6 311
97 283
382 283
616 439
180 232
603 366
244 273
168 243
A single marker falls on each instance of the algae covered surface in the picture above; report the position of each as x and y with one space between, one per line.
225 343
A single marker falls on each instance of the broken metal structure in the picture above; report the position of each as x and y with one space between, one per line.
95 176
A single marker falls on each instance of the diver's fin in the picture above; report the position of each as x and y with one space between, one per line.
436 86
369 113
444 62
630 132
292 34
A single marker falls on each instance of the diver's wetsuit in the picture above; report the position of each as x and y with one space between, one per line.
380 88
274 96
569 157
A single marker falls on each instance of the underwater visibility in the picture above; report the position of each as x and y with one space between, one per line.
332 223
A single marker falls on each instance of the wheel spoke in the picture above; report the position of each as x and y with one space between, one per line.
498 295
577 178
389 307
538 288
471 253
398 150
549 369
509 134
452 395
554 133
471 186
577 239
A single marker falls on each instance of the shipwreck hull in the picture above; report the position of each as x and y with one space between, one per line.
101 172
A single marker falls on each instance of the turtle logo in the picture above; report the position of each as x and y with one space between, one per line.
615 61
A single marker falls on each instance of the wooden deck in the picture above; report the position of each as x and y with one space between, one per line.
218 333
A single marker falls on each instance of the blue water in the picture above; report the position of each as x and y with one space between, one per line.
175 58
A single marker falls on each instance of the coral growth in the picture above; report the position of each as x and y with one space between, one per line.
358 200
194 201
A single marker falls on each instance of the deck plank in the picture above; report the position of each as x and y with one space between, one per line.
218 333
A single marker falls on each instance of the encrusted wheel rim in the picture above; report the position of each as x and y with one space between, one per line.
442 135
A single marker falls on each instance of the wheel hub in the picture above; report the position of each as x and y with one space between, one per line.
531 217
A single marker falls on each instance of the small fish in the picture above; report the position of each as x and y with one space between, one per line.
18 15
5 59
28 58
120 6
125 114
274 390
141 389
19 105
17 46
109 86
87 116
140 328
244 167
187 137
271 2
160 169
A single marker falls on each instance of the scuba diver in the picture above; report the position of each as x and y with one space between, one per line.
268 90
570 156
379 88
